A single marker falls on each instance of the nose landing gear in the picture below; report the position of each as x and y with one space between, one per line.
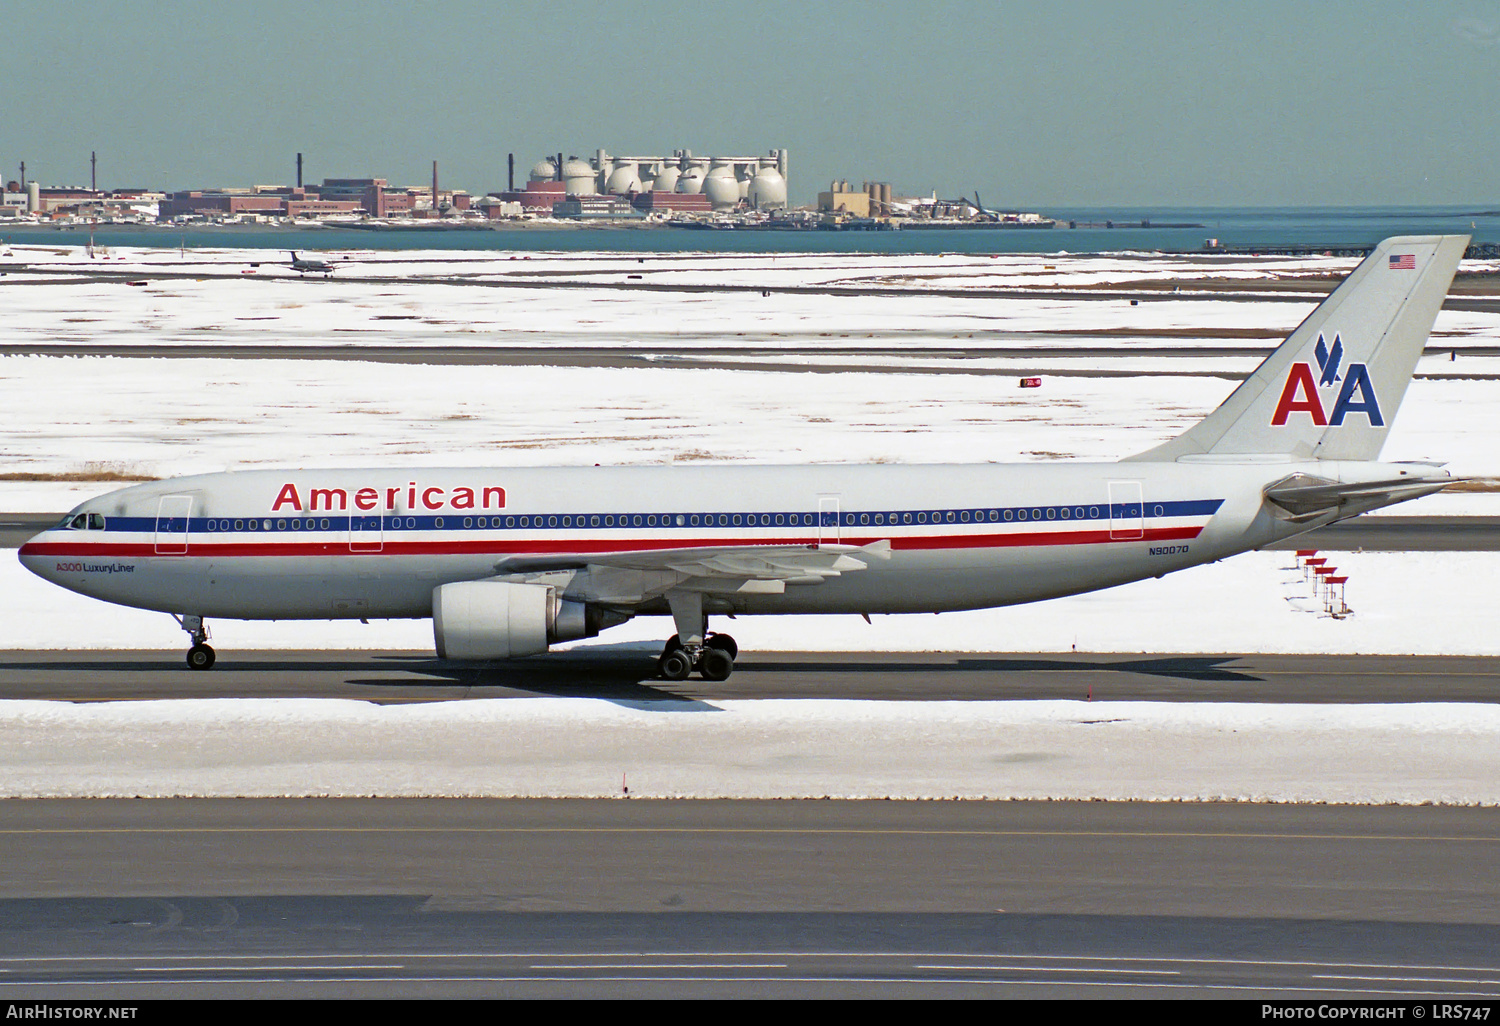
200 656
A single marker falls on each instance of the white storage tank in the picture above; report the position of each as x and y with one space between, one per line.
768 188
624 179
666 179
691 180
578 177
721 187
544 171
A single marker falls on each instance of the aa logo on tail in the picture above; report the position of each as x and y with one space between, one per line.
1301 395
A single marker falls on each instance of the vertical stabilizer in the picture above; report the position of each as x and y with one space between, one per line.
1331 390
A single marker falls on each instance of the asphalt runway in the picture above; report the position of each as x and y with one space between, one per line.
1368 534
1470 295
627 674
770 359
111 900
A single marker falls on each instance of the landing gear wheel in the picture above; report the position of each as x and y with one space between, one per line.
724 643
715 663
675 664
674 642
200 657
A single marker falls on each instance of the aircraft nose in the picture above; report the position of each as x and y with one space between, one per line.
30 554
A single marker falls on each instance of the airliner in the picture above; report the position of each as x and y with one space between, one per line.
302 265
509 561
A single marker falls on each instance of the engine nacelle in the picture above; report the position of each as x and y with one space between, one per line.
504 619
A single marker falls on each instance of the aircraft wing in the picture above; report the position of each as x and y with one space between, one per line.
636 575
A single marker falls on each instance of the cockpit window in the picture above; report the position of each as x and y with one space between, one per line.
96 521
79 522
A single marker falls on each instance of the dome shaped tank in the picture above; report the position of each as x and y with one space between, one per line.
544 171
578 175
624 179
690 182
768 189
721 187
666 179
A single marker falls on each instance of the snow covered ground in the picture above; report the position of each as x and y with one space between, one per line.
553 747
92 417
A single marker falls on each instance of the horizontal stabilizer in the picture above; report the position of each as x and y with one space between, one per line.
1302 497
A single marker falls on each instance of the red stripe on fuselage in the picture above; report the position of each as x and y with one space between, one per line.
498 547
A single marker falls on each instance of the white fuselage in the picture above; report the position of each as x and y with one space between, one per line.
375 543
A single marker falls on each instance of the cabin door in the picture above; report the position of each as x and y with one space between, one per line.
172 515
828 519
1126 522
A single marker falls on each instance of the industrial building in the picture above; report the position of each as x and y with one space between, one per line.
869 200
680 182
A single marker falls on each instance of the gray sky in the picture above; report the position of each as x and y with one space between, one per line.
1036 105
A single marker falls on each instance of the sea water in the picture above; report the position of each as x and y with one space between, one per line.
1234 227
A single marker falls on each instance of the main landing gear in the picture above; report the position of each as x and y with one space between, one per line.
714 659
200 656
693 647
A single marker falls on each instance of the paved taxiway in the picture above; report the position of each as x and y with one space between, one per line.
817 898
625 674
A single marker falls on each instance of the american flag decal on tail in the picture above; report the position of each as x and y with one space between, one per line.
1403 262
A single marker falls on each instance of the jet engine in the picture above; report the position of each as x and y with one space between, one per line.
504 619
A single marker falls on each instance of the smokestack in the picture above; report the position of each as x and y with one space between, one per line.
93 171
434 185
299 170
510 161
559 165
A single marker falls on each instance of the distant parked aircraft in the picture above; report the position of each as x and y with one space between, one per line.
303 266
507 561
